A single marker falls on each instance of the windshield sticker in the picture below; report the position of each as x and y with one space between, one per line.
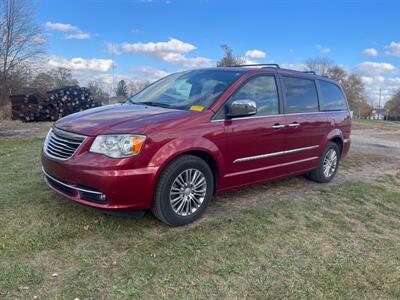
197 108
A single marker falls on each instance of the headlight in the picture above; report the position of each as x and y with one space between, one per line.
118 146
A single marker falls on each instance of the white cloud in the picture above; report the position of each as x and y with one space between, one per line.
393 49
136 31
173 45
150 72
74 31
374 68
39 39
78 36
173 51
78 63
113 49
61 27
394 81
323 50
373 79
295 66
255 54
370 52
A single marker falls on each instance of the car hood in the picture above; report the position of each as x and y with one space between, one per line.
120 118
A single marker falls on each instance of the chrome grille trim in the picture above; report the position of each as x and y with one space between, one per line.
62 145
70 186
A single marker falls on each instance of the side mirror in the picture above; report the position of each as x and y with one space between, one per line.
241 108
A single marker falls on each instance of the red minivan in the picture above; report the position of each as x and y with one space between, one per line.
197 133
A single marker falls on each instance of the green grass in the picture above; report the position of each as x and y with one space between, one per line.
376 124
340 242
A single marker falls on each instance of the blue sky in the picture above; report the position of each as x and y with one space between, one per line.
152 38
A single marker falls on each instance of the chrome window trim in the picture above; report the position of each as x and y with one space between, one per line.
70 186
279 115
262 156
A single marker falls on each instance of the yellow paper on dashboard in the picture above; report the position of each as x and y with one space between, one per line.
197 108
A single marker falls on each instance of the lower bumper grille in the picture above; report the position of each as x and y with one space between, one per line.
85 193
59 187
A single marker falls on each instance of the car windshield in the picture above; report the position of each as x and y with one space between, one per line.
191 90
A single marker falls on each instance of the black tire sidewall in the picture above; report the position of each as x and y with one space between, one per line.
165 185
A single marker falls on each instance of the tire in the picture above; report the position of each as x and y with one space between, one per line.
174 202
320 174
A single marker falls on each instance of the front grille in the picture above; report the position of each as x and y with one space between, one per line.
61 144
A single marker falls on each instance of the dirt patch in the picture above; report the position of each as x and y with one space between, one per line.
20 130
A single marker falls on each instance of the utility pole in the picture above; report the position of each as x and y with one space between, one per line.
112 83
379 105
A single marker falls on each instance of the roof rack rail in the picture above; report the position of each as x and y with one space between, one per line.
259 65
310 72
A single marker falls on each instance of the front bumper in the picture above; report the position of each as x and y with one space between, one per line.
100 182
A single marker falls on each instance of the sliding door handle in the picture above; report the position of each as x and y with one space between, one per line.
294 124
277 126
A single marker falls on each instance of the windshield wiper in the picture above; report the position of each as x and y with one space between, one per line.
150 103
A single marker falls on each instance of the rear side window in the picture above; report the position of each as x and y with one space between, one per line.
332 97
301 95
263 91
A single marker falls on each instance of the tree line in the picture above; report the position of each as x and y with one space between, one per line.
360 103
23 47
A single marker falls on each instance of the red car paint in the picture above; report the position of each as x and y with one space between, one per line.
129 183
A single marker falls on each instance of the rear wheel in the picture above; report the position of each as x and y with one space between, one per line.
183 191
328 164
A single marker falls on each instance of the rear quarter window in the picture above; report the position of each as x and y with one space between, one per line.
301 95
332 97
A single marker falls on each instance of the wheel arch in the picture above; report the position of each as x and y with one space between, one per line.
201 148
338 141
335 136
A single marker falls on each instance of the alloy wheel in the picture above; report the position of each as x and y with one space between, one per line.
330 163
188 192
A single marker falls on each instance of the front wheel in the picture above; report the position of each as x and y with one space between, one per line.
328 164
183 191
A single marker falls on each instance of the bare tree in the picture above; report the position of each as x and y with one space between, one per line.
21 40
135 86
100 96
43 82
319 65
229 59
355 91
62 77
393 106
337 73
